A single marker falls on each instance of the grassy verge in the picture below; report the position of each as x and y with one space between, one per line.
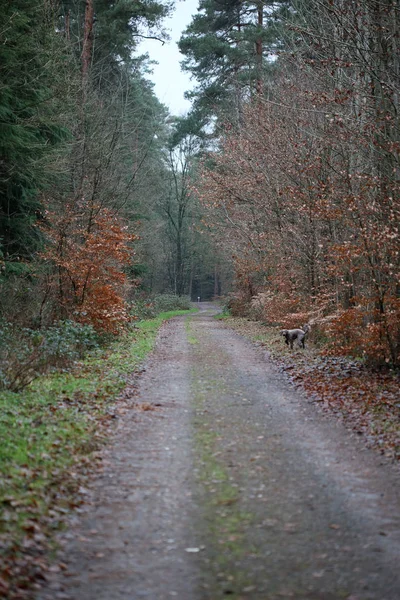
50 434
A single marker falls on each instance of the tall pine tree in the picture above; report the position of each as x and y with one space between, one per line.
30 126
228 47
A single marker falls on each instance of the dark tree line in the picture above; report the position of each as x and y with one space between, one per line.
83 140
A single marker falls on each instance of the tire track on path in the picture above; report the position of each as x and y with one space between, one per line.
233 486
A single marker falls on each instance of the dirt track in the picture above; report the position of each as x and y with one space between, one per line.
231 486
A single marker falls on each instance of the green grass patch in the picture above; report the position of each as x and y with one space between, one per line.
189 332
49 435
222 317
225 520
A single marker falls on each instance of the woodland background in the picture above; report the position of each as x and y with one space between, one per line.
278 193
280 187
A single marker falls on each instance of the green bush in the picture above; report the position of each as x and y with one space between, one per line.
143 308
226 311
150 307
27 353
167 302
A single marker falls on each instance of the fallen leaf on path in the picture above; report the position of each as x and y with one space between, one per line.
228 501
145 406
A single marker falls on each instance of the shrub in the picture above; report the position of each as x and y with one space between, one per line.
142 308
27 353
167 302
237 305
88 256
360 332
150 307
225 310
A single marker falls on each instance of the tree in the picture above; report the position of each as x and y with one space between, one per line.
307 189
87 261
115 140
33 69
176 208
228 49
83 136
115 28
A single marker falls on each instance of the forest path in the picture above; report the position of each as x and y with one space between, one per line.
230 484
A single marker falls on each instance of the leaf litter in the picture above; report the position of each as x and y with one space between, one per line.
367 400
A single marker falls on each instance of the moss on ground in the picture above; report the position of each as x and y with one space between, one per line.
225 520
189 332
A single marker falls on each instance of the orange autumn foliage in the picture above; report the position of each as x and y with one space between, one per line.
312 230
89 256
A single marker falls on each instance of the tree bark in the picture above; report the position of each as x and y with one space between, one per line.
87 40
68 25
259 49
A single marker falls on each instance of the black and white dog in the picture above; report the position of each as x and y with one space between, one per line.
291 335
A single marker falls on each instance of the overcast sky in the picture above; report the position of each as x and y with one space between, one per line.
170 82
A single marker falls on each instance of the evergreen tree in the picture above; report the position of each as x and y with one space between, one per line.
74 142
117 29
228 48
32 66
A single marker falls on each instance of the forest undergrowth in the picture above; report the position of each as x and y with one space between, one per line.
366 399
51 434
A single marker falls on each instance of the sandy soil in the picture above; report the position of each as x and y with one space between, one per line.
231 484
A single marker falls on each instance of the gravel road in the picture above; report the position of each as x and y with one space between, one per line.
231 485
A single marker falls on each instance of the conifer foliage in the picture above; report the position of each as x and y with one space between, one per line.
30 126
229 47
79 124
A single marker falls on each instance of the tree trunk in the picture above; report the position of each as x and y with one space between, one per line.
87 40
216 282
259 49
68 25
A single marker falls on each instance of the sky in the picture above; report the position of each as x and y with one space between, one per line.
170 82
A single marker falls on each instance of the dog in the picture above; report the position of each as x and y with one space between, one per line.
291 335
